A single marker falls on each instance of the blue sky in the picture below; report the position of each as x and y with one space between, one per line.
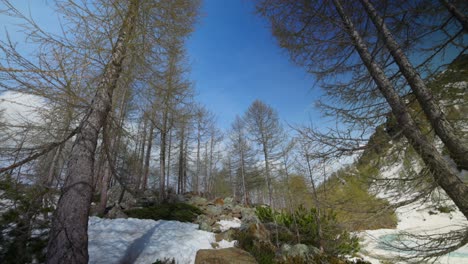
236 60
233 57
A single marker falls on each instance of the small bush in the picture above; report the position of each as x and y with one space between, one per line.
165 261
263 252
334 239
445 209
168 211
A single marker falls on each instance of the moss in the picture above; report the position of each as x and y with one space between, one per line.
168 211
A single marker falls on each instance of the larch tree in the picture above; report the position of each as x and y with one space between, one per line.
265 129
243 156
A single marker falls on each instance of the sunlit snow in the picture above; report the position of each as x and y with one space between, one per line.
145 241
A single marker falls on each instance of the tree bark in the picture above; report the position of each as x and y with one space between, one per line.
169 160
445 176
144 182
162 162
68 241
457 14
457 148
267 174
181 162
142 155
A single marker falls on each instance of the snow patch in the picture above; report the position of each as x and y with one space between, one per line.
228 224
145 241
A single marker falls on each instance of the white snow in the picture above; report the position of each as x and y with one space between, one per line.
413 218
228 224
145 241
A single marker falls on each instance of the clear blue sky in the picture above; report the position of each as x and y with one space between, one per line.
236 60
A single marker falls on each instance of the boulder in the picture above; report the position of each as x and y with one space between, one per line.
213 210
226 235
113 196
219 202
205 222
299 250
224 256
197 200
259 232
116 212
248 217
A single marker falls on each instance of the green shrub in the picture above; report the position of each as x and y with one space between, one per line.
165 261
168 211
263 252
304 222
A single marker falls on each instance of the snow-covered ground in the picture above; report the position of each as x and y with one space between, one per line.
414 218
145 241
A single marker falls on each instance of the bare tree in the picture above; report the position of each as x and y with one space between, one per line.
265 129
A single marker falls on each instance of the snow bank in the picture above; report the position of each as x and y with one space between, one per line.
145 241
415 219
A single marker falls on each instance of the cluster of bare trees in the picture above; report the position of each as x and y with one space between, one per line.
117 92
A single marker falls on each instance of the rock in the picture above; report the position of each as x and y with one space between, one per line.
259 232
113 196
116 212
224 256
285 248
314 251
248 217
214 210
205 227
216 228
214 245
299 250
234 215
226 235
197 200
228 201
237 209
219 201
205 222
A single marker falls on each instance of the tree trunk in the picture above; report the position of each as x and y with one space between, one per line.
142 155
457 148
68 241
144 182
457 14
181 163
267 174
104 188
197 173
445 176
317 202
169 160
162 164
